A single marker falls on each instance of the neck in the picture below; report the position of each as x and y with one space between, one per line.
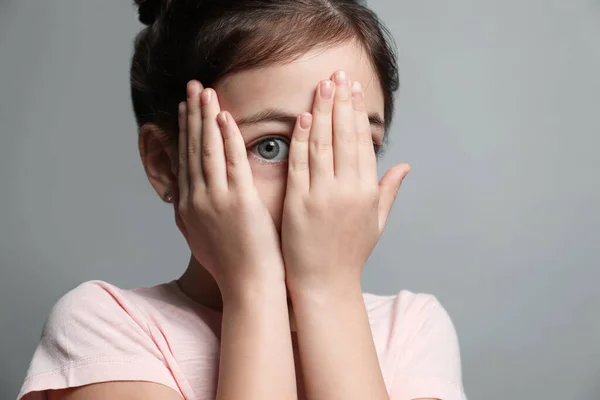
199 285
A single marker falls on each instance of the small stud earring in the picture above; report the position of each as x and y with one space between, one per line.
168 197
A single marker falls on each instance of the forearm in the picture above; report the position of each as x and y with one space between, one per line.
256 349
337 353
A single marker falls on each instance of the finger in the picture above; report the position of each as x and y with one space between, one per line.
388 190
320 142
239 174
367 160
298 160
345 149
178 219
194 135
213 153
183 179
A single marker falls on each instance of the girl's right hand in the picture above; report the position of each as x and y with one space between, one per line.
227 226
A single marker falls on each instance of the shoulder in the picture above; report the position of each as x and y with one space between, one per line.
96 333
411 318
98 293
100 310
420 344
99 299
91 303
407 310
94 321
401 301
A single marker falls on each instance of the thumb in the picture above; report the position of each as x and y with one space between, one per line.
388 190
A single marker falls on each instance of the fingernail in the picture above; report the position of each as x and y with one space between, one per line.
357 87
206 97
326 88
193 88
341 78
305 121
222 119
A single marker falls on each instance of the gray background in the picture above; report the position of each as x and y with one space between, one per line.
499 114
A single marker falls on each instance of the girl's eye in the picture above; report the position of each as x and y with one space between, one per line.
275 149
272 149
379 150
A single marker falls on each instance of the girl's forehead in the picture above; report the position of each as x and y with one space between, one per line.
292 86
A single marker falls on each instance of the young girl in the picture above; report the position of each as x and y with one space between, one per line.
279 202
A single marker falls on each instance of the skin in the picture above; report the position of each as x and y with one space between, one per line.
325 201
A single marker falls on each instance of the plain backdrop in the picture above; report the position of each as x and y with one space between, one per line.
499 115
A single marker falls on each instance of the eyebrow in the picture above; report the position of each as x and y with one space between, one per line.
277 115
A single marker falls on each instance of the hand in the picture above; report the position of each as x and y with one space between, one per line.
226 224
334 210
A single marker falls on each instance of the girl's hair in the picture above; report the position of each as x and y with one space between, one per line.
209 39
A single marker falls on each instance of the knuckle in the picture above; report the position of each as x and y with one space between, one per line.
208 152
365 138
315 204
323 198
194 201
243 201
321 144
324 107
196 196
300 165
182 160
219 206
233 162
217 200
192 147
234 158
348 137
192 111
343 99
358 105
186 205
182 207
196 206
299 138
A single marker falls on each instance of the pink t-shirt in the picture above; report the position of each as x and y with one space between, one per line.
99 333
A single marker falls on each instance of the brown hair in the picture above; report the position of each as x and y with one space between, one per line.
209 39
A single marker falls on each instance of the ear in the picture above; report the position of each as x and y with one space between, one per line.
159 158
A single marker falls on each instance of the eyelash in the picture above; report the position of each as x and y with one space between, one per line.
261 141
379 149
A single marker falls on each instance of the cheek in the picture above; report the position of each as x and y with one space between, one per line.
271 181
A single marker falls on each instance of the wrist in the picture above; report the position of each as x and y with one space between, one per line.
253 292
325 292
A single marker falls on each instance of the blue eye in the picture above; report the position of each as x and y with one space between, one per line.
275 149
272 149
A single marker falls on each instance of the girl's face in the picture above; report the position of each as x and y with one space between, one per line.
266 102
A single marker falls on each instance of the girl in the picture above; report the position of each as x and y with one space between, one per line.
278 200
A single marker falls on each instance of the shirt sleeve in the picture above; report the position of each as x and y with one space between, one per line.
428 364
94 334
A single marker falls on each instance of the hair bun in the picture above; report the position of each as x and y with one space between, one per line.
149 10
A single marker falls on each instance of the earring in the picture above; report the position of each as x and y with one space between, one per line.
168 197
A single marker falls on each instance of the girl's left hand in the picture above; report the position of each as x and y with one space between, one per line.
334 210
